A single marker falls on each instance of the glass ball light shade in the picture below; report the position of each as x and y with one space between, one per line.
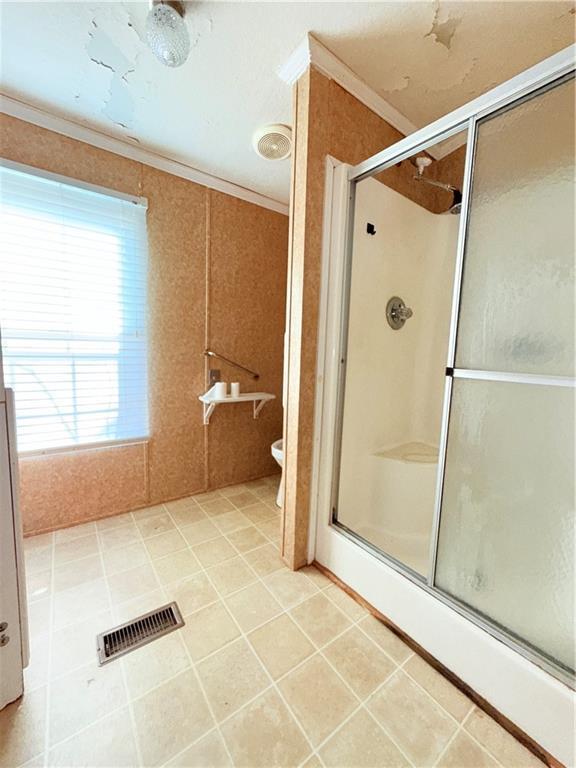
167 35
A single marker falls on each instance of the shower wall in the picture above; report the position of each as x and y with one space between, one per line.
395 378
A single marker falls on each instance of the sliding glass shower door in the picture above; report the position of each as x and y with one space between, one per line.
506 527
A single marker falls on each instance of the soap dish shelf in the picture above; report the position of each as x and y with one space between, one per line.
210 401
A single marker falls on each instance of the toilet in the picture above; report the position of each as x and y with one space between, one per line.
278 454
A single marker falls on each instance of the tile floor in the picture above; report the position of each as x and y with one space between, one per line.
273 668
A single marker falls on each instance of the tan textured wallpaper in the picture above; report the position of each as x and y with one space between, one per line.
217 275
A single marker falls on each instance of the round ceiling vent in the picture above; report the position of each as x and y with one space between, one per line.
273 142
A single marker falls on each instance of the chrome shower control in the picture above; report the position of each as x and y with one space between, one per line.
397 313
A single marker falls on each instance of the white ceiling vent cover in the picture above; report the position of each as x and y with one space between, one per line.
273 142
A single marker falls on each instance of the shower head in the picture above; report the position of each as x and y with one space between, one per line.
456 206
422 163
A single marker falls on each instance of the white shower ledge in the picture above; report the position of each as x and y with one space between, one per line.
210 401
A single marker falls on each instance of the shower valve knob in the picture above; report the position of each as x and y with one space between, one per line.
397 313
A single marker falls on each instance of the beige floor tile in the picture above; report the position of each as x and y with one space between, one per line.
74 532
252 606
501 745
124 558
177 566
313 762
133 583
187 502
320 619
213 552
246 539
233 490
245 499
155 524
36 762
290 587
36 673
131 609
261 483
79 603
316 576
386 639
258 513
119 536
65 551
154 663
193 593
280 645
201 498
231 521
165 543
463 752
208 630
271 529
265 560
361 743
209 752
231 677
264 735
39 619
38 584
109 742
144 512
41 541
83 696
38 558
204 530
115 521
77 572
75 646
217 506
171 717
351 608
22 728
186 515
318 697
360 662
446 694
231 575
416 723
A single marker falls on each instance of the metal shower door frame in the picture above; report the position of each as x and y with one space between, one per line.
546 75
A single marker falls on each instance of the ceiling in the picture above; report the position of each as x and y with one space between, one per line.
88 61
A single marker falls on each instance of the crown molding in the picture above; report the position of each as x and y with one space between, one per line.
117 146
311 52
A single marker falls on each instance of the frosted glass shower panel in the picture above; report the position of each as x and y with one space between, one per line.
517 307
507 526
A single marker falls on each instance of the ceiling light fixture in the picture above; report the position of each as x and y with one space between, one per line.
167 33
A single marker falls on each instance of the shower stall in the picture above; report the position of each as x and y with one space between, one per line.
444 453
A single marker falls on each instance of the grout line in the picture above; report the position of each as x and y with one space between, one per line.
50 643
122 669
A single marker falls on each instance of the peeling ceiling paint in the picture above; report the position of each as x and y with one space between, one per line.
89 61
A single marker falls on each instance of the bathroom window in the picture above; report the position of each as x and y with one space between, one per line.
73 267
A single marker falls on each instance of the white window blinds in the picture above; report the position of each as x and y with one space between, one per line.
72 311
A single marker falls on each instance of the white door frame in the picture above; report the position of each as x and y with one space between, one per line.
536 701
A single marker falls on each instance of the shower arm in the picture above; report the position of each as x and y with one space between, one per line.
211 353
433 183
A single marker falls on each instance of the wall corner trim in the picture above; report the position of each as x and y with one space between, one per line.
311 52
73 130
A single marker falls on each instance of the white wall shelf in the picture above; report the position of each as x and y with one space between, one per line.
210 401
